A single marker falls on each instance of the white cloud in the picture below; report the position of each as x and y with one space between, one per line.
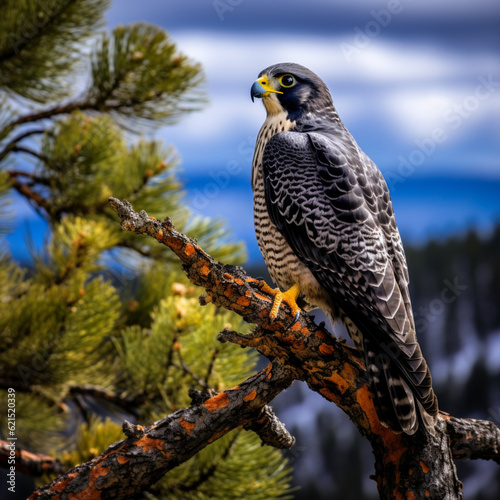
412 89
416 114
229 55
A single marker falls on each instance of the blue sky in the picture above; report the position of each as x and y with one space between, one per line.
416 83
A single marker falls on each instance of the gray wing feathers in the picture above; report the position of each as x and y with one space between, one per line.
332 205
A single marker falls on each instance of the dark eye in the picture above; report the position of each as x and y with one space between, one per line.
287 81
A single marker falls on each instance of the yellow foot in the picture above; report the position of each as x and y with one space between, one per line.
289 297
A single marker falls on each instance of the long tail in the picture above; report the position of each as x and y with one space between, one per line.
400 382
400 403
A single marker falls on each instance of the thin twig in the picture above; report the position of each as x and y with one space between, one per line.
36 154
26 191
30 175
185 368
16 140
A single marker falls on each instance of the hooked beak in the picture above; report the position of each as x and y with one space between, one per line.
262 88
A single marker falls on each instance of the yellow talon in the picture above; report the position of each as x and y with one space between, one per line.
289 297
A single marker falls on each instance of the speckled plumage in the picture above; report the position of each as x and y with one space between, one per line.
324 220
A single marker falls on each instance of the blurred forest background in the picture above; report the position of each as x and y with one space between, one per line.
81 301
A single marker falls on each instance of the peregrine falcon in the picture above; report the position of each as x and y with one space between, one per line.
325 225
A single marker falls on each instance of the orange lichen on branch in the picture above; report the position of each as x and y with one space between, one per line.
365 401
262 297
189 250
326 349
341 383
424 467
146 444
61 485
98 471
298 344
187 425
89 493
392 442
217 402
243 301
345 378
204 267
328 394
121 459
251 396
172 243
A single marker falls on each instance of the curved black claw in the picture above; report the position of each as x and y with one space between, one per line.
297 316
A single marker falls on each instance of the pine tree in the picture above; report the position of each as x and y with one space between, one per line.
92 332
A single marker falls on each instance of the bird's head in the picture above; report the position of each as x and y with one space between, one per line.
291 88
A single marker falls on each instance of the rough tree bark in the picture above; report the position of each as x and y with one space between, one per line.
406 467
31 464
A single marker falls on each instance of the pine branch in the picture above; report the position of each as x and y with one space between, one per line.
31 195
215 353
31 464
131 466
474 439
416 466
44 114
271 430
186 369
402 463
31 152
34 390
127 403
29 175
50 112
35 37
16 140
65 109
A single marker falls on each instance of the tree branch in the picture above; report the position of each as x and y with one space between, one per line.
49 113
31 464
130 466
312 354
31 195
474 439
29 175
31 152
406 467
129 404
16 140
